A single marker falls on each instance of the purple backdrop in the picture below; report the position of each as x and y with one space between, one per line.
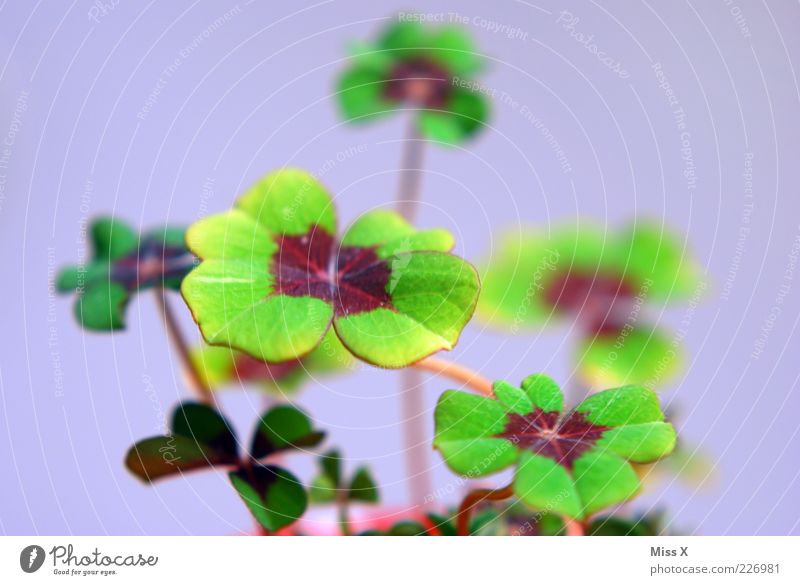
681 111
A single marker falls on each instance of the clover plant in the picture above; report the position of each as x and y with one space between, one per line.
274 278
575 462
282 296
201 438
427 69
330 486
602 280
123 263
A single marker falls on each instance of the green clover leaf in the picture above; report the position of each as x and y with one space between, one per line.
538 276
688 465
635 354
283 427
273 279
274 496
414 66
575 463
201 438
330 486
603 281
122 264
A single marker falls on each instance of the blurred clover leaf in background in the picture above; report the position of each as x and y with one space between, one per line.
573 463
221 367
421 68
633 355
603 282
688 465
273 278
330 485
201 438
122 264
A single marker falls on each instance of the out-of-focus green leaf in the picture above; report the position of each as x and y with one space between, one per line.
283 427
274 496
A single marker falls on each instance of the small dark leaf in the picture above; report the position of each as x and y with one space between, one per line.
162 456
443 525
331 465
274 496
206 426
362 487
322 490
283 427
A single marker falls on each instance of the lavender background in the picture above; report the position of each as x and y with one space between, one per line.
245 87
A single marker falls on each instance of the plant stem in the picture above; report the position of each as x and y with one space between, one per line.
411 389
474 498
574 528
407 198
457 372
343 510
415 438
176 337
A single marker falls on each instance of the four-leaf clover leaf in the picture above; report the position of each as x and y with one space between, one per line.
414 66
202 438
602 280
273 278
575 463
123 263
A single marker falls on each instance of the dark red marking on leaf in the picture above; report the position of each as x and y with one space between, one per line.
248 368
419 82
151 264
549 435
603 302
353 279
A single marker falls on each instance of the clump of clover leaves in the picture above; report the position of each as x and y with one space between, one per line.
219 367
330 486
417 67
602 280
273 278
201 438
572 463
123 263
